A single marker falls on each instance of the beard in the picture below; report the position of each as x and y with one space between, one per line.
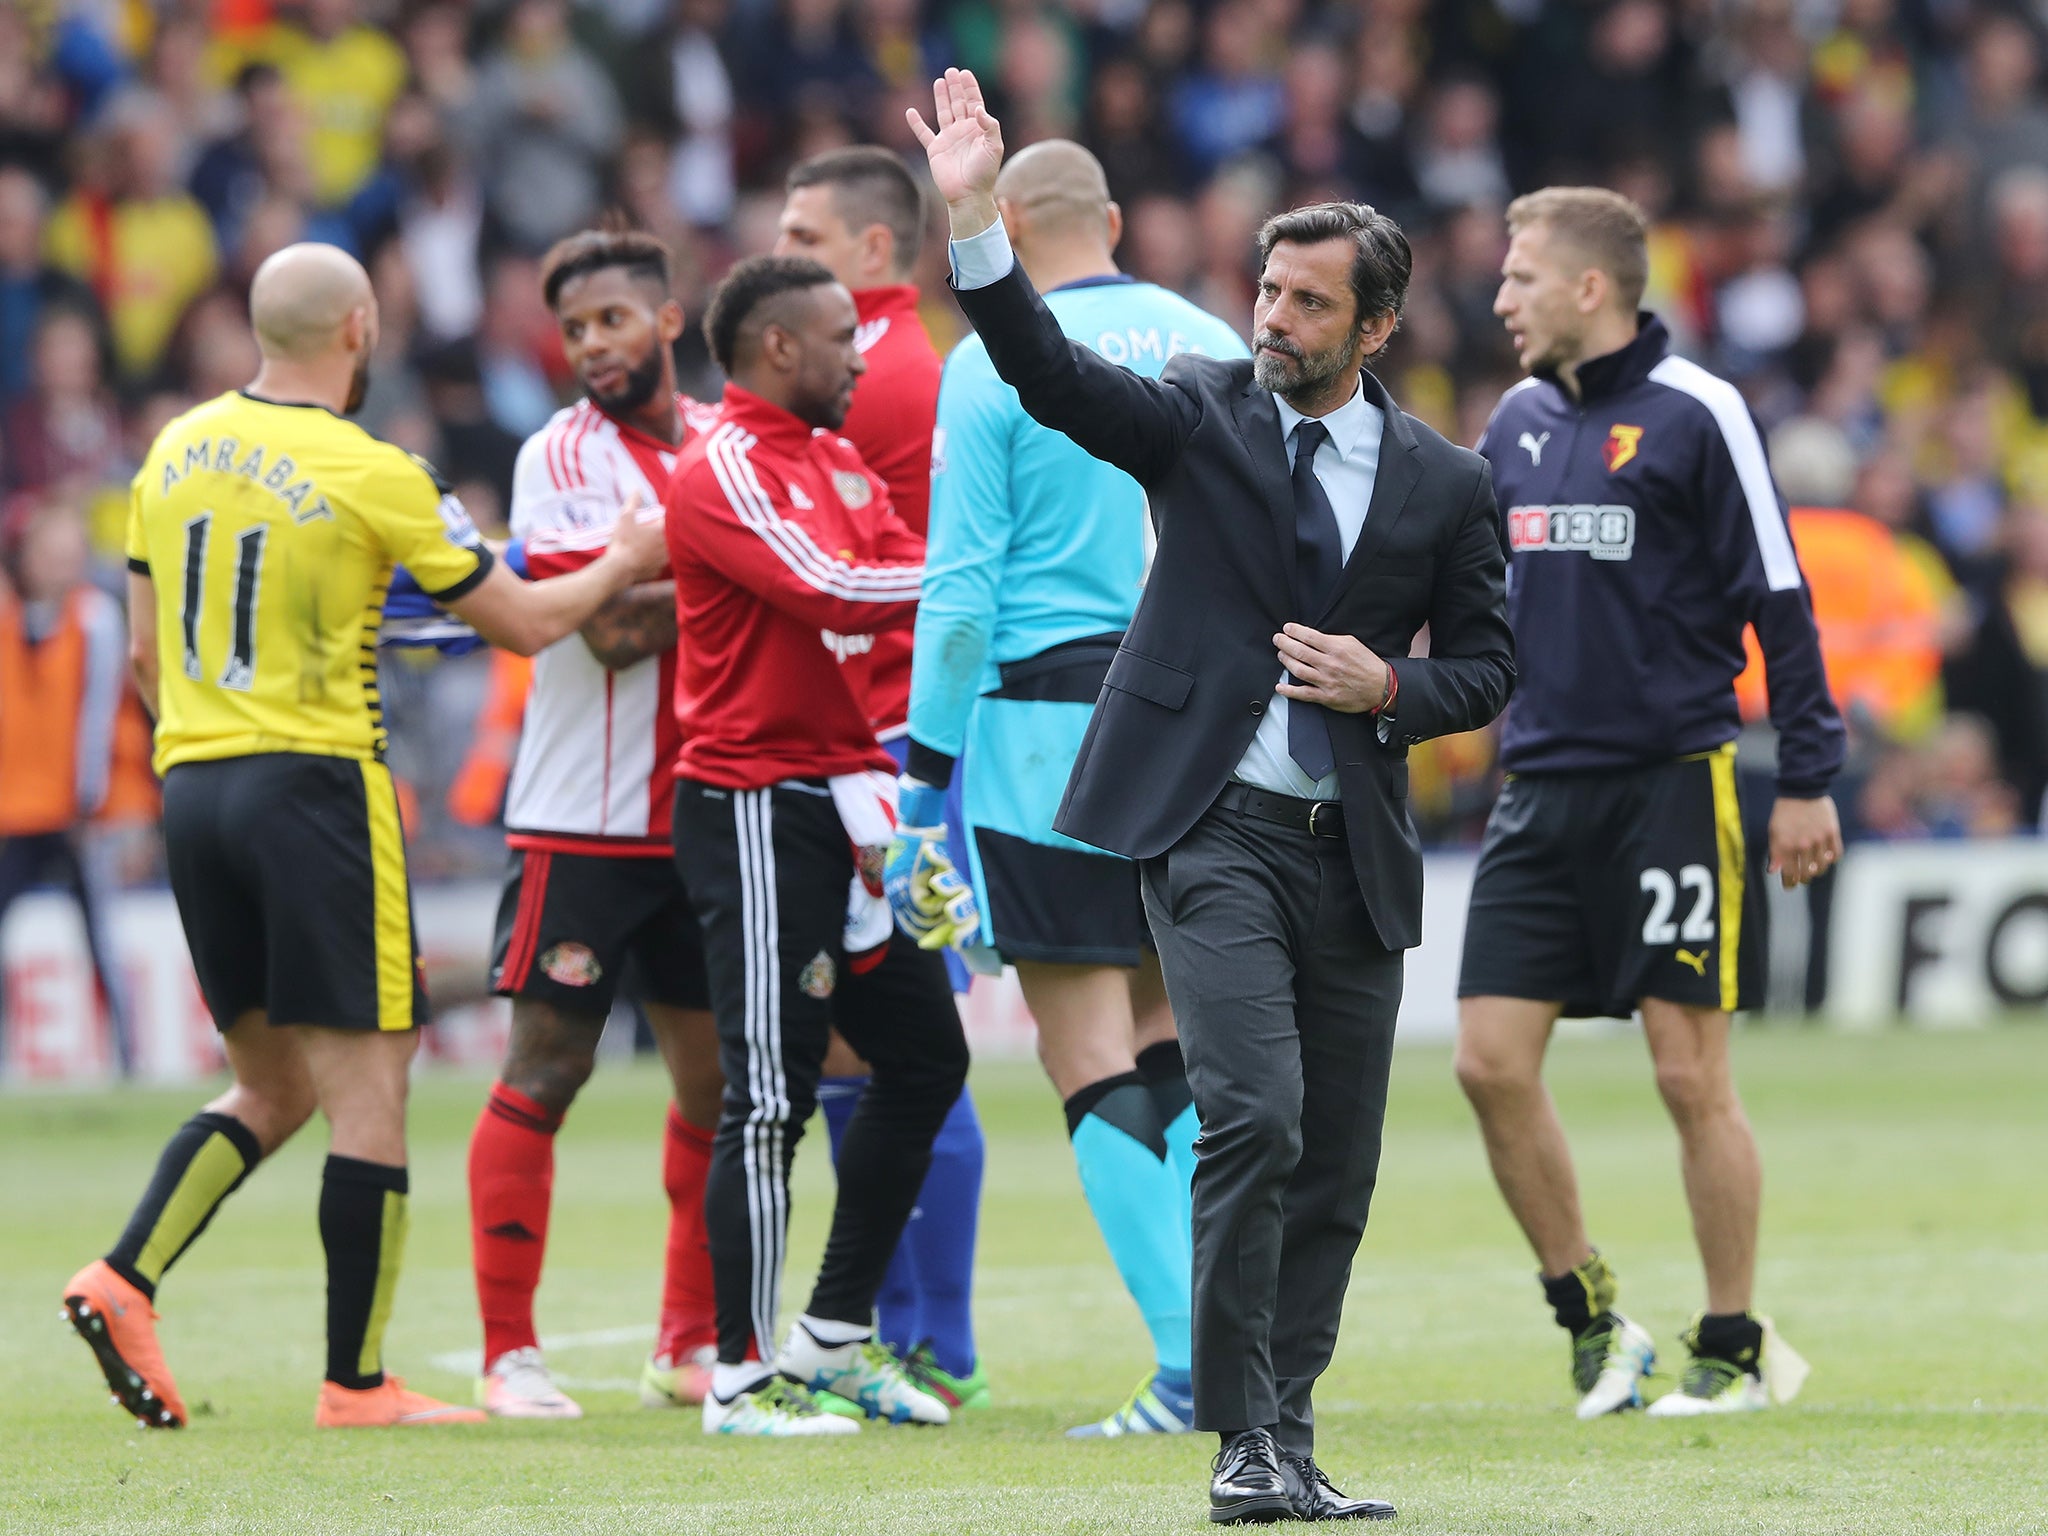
826 411
358 386
639 388
824 402
1299 372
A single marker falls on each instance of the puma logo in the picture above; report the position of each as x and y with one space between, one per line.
1697 961
512 1231
1534 444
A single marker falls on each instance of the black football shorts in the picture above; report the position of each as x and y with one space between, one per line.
1060 906
572 925
1597 890
289 872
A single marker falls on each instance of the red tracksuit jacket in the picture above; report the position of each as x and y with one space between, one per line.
895 407
788 561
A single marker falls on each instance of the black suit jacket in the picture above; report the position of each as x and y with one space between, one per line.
1196 670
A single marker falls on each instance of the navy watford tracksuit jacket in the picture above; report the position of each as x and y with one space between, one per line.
1644 532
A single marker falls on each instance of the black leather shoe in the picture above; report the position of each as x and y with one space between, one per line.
1247 1488
1315 1497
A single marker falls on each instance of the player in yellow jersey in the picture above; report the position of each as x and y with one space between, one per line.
262 535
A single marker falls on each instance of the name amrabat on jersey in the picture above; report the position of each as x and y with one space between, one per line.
220 459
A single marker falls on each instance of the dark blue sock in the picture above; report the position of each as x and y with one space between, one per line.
837 1097
940 1241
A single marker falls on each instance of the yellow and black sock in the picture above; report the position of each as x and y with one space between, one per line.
1579 1295
203 1163
363 1219
1732 1336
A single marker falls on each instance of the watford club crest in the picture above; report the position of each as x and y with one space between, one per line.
1620 446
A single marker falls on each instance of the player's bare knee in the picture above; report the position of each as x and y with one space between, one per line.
1689 1089
551 1082
550 1055
1492 1076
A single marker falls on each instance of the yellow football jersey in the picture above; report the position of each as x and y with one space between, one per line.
269 533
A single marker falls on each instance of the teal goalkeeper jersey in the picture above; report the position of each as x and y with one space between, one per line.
1034 543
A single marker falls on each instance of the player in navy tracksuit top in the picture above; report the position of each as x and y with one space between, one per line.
1644 534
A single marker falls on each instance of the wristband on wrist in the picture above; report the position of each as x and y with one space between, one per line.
1386 705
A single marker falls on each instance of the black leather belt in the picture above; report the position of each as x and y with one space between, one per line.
1318 818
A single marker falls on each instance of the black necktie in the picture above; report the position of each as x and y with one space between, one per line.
1318 561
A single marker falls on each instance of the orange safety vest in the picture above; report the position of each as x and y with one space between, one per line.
477 796
1877 615
132 790
42 689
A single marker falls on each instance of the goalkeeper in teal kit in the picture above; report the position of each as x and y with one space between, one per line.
1035 561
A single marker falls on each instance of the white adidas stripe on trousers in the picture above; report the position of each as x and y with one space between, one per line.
762 1138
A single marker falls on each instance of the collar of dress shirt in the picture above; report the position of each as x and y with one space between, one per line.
1347 424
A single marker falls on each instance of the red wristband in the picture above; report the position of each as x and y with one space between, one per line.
1393 690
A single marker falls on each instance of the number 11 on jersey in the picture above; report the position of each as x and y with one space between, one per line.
240 671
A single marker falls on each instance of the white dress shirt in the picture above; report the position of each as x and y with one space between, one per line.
1347 465
982 259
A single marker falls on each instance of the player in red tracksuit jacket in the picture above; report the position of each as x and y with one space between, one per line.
858 213
788 559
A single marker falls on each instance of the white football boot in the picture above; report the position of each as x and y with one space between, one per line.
863 1372
1713 1385
518 1386
1609 1361
682 1382
775 1407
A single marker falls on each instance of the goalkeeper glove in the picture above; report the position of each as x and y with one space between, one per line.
931 899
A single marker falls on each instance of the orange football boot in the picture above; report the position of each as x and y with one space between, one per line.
119 1325
389 1406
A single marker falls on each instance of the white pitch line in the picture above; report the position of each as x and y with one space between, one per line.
469 1362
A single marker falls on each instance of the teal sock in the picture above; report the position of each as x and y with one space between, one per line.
1137 1196
1180 1154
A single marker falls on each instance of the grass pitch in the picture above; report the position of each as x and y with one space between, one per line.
1905 1254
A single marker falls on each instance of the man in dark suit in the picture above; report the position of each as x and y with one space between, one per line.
1249 747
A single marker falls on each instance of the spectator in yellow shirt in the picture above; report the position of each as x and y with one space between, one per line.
143 245
344 76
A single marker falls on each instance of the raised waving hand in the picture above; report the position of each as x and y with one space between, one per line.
965 150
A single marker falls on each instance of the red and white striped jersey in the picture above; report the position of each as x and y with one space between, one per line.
596 762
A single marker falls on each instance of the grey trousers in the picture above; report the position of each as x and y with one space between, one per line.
1286 1002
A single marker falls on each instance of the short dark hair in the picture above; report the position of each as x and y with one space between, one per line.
749 285
593 250
1608 229
1380 258
871 185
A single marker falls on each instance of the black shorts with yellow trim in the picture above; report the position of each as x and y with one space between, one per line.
289 872
1598 890
576 929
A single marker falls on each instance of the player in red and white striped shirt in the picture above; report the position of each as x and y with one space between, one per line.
593 888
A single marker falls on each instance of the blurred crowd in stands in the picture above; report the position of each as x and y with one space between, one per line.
1850 206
